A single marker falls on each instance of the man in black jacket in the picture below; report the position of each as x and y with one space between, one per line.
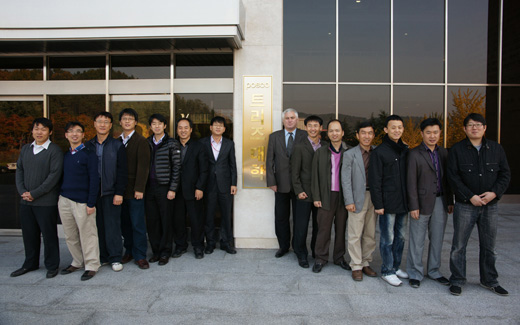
387 183
479 175
163 182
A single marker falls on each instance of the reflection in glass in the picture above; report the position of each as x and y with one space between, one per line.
510 43
77 68
309 40
509 133
21 68
204 66
418 41
144 110
364 47
201 108
140 67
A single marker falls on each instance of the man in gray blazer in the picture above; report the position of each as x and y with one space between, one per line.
361 223
429 198
278 170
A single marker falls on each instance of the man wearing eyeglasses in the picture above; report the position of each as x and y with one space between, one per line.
479 174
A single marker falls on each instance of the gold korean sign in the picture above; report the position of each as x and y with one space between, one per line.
258 104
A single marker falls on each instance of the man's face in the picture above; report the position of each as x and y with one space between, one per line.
394 129
40 134
289 121
75 136
102 125
313 128
365 136
157 127
431 135
128 122
217 129
335 132
184 130
475 130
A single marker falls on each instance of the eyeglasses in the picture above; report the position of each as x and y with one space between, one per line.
475 125
74 131
103 122
128 119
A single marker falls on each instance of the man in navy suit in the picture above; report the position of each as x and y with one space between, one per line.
222 185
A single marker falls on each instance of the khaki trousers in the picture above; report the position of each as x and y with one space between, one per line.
362 235
337 215
81 234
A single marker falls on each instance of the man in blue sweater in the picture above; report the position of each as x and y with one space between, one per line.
77 203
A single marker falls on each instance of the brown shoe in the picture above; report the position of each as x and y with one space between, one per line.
126 258
369 272
69 269
143 264
357 275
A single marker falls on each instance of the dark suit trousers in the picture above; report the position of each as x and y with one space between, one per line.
37 221
195 210
108 220
224 200
301 217
282 214
338 216
159 220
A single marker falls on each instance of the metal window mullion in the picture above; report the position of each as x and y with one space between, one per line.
45 97
445 73
107 80
499 117
337 58
391 57
172 95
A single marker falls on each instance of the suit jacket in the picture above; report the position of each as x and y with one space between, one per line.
138 153
301 168
278 164
421 180
224 169
194 170
353 178
322 176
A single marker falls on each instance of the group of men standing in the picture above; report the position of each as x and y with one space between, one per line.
112 192
351 187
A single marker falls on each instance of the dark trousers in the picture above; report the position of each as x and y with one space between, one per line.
282 214
225 201
39 221
133 228
301 217
108 220
195 210
159 220
337 215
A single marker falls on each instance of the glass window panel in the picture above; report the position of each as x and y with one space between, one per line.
364 47
418 41
77 68
140 67
511 43
414 104
16 119
204 66
468 41
309 40
509 134
144 110
21 68
201 108
81 108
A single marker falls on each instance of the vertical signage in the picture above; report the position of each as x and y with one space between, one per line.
257 124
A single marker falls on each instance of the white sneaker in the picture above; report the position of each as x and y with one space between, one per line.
402 274
392 279
116 266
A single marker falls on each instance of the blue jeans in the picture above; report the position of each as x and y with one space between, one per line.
465 217
133 228
391 244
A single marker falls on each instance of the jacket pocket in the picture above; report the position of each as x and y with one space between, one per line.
468 169
492 167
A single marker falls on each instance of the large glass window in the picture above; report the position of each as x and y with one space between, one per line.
509 132
21 68
144 110
204 66
511 41
140 67
77 68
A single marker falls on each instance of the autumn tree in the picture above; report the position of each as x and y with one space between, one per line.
469 101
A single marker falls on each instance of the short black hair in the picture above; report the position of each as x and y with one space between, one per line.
45 122
104 114
365 124
475 117
431 121
336 120
393 118
314 118
158 117
129 111
72 124
218 119
184 119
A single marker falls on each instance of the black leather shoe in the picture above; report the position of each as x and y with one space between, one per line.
52 273
280 253
21 271
209 249
316 268
228 249
199 253
344 265
88 275
303 263
163 260
154 259
442 280
178 252
455 290
414 283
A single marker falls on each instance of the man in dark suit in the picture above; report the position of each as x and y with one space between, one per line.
301 172
429 200
278 170
194 174
222 185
